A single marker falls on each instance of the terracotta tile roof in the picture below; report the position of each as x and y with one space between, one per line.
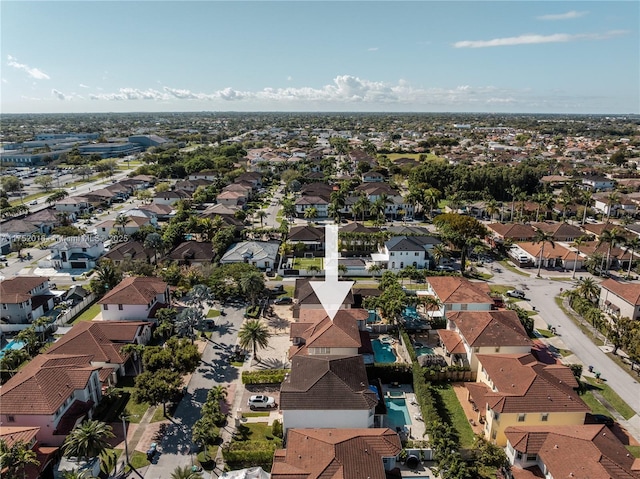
11 435
335 453
630 292
514 231
583 452
525 385
44 384
452 341
556 251
342 332
490 328
305 233
102 340
135 290
327 383
17 290
304 293
559 230
455 290
193 250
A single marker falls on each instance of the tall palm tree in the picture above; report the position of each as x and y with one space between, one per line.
311 213
612 199
586 197
576 244
611 237
363 205
254 334
135 351
548 201
492 208
252 285
107 275
154 241
431 198
16 458
185 472
87 440
121 222
631 245
374 269
513 192
588 288
542 237
261 214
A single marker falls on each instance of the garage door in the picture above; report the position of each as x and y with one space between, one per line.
78 264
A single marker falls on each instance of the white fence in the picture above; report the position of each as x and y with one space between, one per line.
64 318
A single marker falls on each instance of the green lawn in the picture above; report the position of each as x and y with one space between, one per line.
595 405
499 288
256 414
611 396
457 416
305 263
138 460
213 313
546 333
512 268
253 431
88 314
634 450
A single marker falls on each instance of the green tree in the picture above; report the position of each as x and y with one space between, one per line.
461 231
311 213
252 285
611 237
44 182
543 238
158 387
15 459
632 245
134 350
87 440
106 277
188 321
254 334
576 244
185 472
11 183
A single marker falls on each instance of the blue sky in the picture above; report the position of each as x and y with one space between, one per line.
389 56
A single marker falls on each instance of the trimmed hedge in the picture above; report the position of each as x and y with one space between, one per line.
390 372
242 454
267 376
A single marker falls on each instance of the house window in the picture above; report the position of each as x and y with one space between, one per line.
519 455
11 419
392 254
84 250
531 457
105 307
4 306
322 350
120 308
497 349
521 417
544 416
464 307
417 254
494 434
496 416
476 350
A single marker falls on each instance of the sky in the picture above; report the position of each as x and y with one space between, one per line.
341 55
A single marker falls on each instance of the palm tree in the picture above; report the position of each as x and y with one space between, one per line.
252 285
431 198
548 201
87 440
588 288
439 252
107 276
135 351
542 237
334 212
576 244
311 213
492 208
261 214
154 241
631 245
254 334
121 221
362 204
374 269
513 191
611 237
587 196
187 321
185 472
612 199
16 458
431 305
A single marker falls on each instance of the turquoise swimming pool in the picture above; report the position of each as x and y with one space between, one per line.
11 345
383 353
397 412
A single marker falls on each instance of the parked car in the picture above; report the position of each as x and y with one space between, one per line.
284 300
515 293
445 268
261 402
34 202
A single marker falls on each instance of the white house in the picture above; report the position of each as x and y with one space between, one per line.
135 298
597 183
402 251
620 299
327 391
77 252
457 294
23 299
75 205
261 254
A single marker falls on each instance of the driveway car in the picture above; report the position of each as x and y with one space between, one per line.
284 300
445 268
515 293
261 402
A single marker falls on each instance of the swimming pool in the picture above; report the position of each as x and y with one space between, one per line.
422 350
13 344
383 353
397 412
410 312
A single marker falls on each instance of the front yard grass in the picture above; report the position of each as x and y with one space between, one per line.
456 414
512 268
305 263
545 333
138 460
213 313
595 405
634 450
613 399
88 314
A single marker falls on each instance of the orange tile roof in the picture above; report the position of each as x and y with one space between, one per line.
342 332
452 341
490 328
455 290
44 384
583 452
135 290
555 251
335 453
630 292
17 290
525 385
11 435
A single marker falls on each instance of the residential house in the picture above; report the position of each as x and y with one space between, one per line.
559 231
135 299
517 390
620 299
315 333
262 254
320 203
23 299
192 185
45 220
102 342
556 256
45 455
193 253
170 197
133 225
74 205
101 196
458 294
161 212
470 333
402 251
232 198
305 298
77 252
597 183
624 205
210 175
373 177
312 237
52 392
589 451
130 251
346 452
327 392
18 227
5 243
500 233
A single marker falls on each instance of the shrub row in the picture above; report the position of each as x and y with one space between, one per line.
242 454
267 376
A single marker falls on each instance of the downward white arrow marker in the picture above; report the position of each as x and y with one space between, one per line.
331 292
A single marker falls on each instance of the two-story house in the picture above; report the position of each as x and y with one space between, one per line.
74 206
305 298
620 299
470 333
348 453
135 299
77 252
311 237
402 251
328 392
52 392
23 299
517 390
458 294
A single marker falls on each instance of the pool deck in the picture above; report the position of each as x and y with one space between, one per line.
416 428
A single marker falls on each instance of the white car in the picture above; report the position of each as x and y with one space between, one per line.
515 293
261 402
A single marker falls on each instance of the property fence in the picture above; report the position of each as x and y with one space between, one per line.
65 318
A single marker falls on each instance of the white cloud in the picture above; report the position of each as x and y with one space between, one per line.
373 49
59 95
131 94
4 80
32 72
289 78
82 85
532 39
570 15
